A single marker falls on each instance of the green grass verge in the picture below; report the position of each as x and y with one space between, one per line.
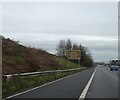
66 64
28 82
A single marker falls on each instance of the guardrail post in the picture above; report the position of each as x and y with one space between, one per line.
42 78
54 75
62 73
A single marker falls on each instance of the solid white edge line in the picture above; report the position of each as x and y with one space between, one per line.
39 86
83 94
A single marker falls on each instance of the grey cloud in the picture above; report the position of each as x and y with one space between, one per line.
42 25
49 42
60 18
105 56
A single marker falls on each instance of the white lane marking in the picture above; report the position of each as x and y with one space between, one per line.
39 86
83 94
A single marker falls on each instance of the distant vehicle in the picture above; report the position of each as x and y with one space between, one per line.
115 62
114 68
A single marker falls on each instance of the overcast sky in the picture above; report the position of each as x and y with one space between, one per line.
43 25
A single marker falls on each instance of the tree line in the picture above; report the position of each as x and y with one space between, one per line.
86 57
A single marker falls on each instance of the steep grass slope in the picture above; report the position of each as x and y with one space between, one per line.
17 58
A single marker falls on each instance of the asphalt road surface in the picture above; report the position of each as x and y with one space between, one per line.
70 87
104 85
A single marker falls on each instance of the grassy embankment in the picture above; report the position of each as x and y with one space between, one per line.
19 59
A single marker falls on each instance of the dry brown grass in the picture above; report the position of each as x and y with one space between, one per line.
18 58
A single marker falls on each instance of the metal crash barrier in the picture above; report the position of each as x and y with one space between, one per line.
8 78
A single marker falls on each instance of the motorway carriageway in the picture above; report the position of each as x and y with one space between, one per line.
97 82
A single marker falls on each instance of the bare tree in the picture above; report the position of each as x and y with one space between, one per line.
68 44
61 49
86 58
75 47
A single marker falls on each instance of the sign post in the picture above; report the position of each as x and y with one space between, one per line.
74 55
